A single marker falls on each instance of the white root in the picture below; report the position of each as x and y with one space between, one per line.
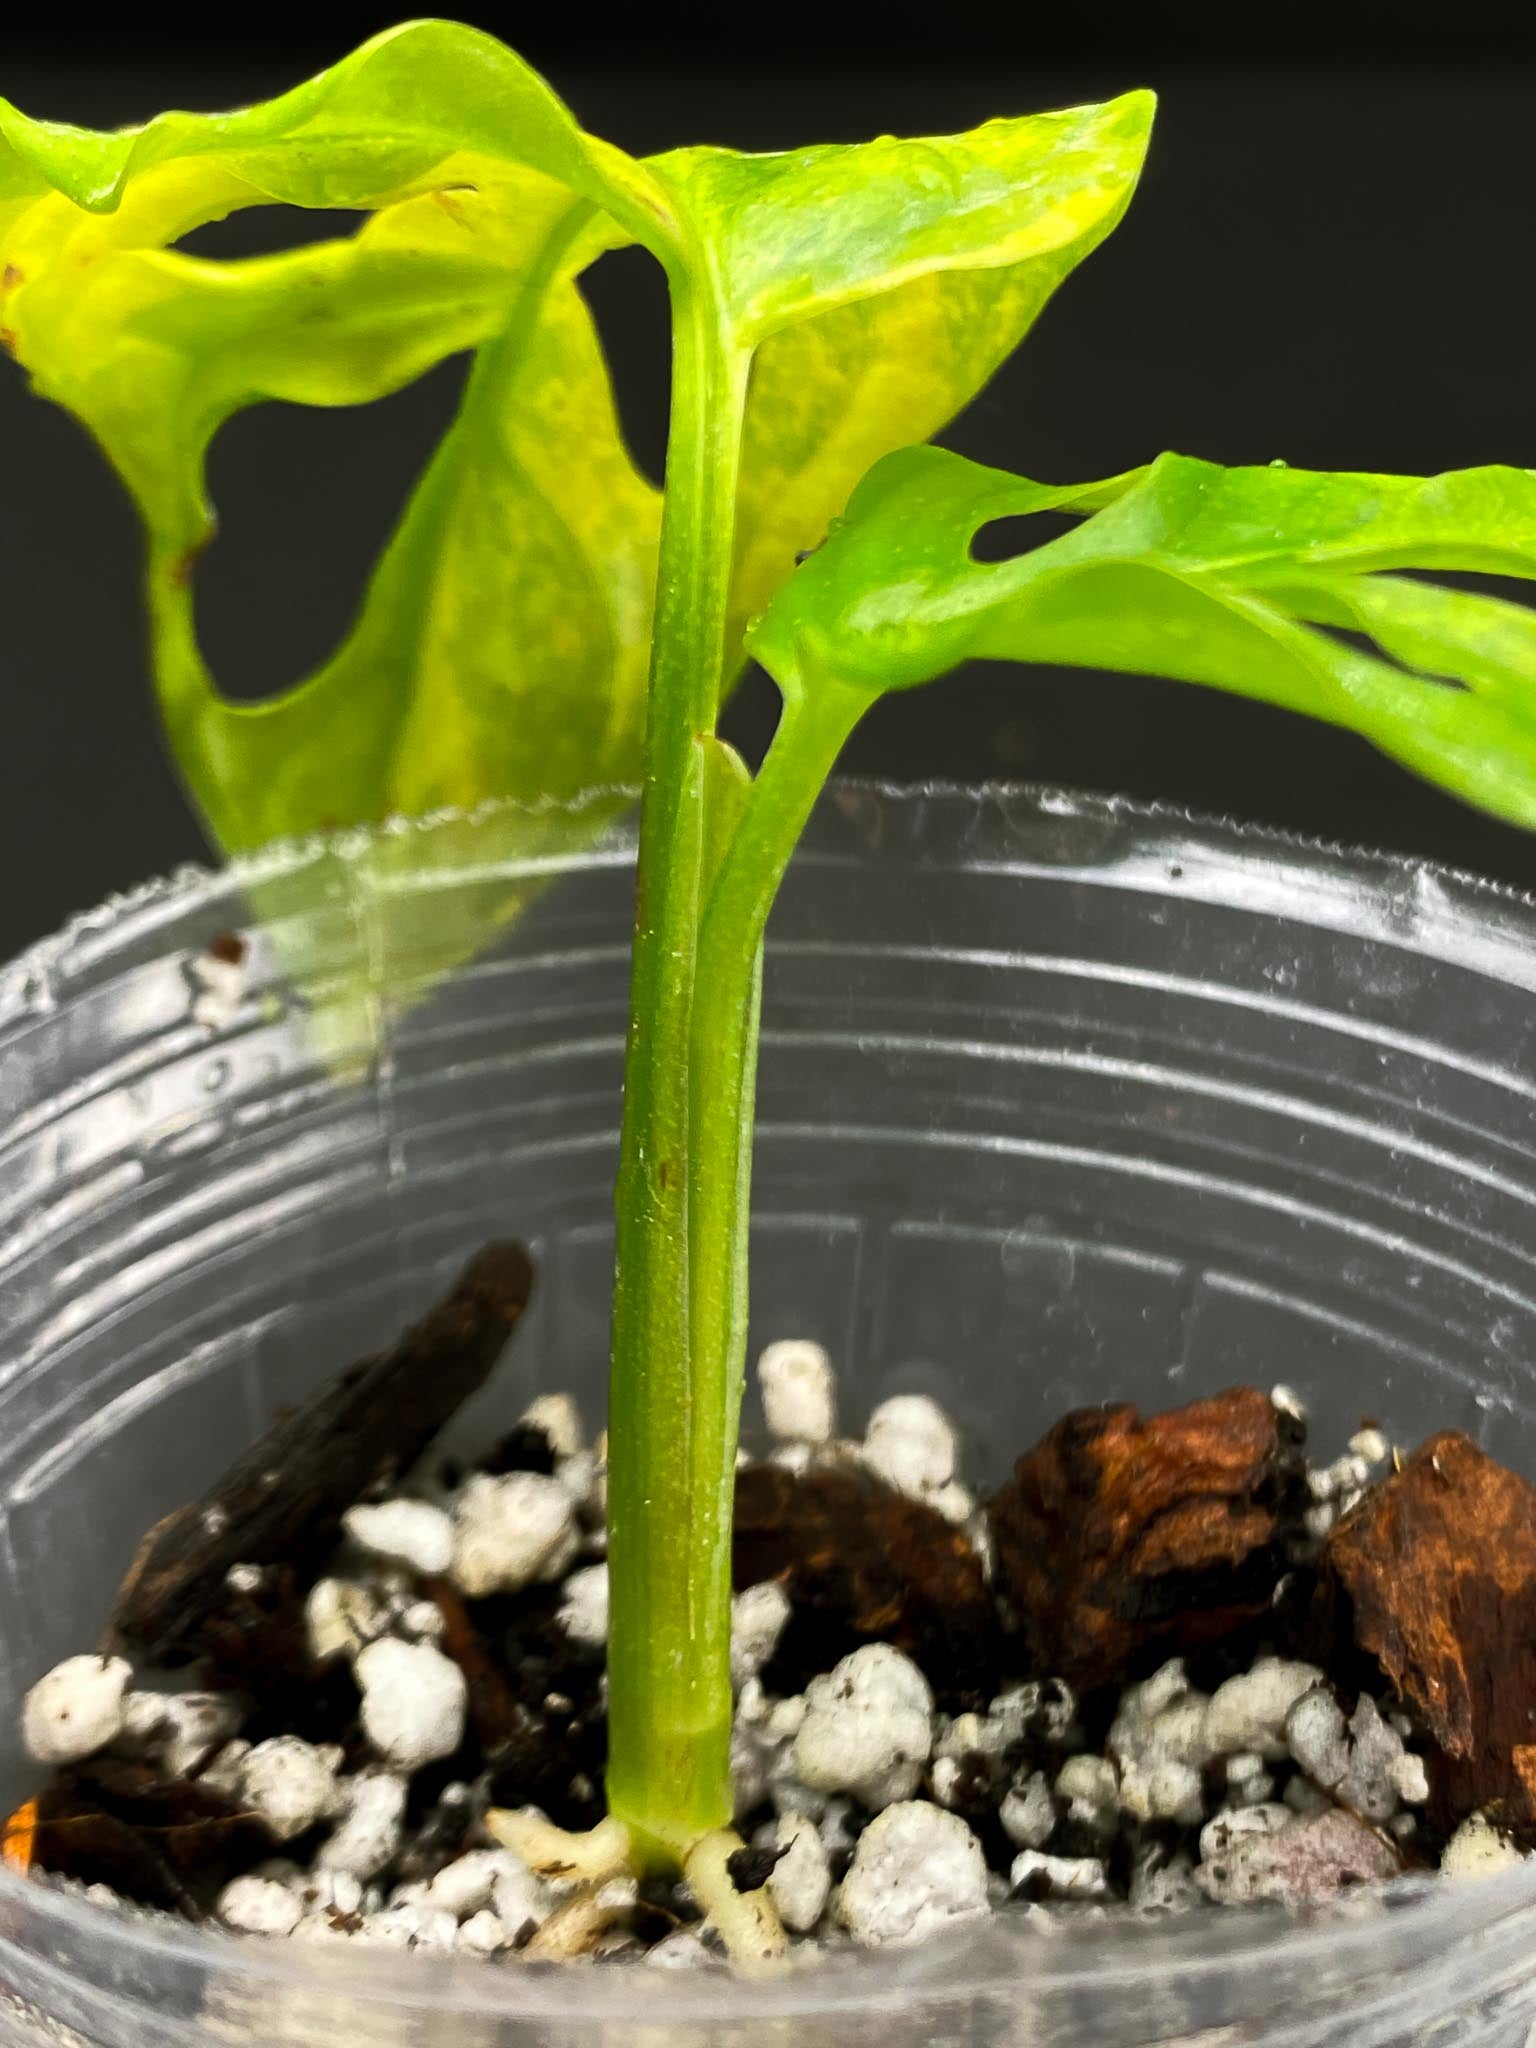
550 1852
747 1922
574 1928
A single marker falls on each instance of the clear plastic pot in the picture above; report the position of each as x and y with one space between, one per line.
1061 1100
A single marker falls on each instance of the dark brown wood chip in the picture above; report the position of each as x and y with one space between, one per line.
1117 1531
864 1564
169 1844
283 1501
1434 1575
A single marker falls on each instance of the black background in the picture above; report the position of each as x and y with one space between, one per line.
1331 260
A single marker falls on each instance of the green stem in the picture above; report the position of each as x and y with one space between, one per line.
669 1711
804 752
723 1075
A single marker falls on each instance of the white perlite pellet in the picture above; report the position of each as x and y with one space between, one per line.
583 1611
801 1880
341 1617
1059 1877
260 1905
560 1419
468 1884
414 1701
916 1869
1090 1790
1045 1707
682 1950
336 1891
520 1901
956 1503
1477 1849
758 1618
910 1443
1163 1887
1248 1783
1371 1445
1318 1737
482 1934
1159 1739
180 1730
369 1834
289 1784
578 1475
1363 1764
422 1621
218 989
867 1727
410 1926
413 1533
1028 1812
1248 1712
799 1392
510 1530
75 1709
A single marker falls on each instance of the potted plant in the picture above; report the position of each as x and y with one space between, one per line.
543 623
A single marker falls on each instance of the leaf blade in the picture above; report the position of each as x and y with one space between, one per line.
880 285
1235 579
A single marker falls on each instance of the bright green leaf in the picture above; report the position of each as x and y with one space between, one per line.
362 133
1244 579
880 284
502 646
503 643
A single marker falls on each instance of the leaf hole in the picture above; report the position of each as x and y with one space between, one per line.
1019 533
1364 643
270 230
307 497
1509 589
626 290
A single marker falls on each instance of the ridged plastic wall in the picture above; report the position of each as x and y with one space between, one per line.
1061 1100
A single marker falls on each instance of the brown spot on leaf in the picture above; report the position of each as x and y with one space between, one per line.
179 571
9 341
10 277
1117 1532
1434 1573
864 1564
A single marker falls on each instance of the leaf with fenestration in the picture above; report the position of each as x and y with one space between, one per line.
501 648
879 285
1260 581
379 123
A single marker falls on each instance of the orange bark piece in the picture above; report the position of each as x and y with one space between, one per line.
20 1837
1117 1531
1438 1569
864 1564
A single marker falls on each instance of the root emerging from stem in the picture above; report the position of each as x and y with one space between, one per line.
600 1862
600 1853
